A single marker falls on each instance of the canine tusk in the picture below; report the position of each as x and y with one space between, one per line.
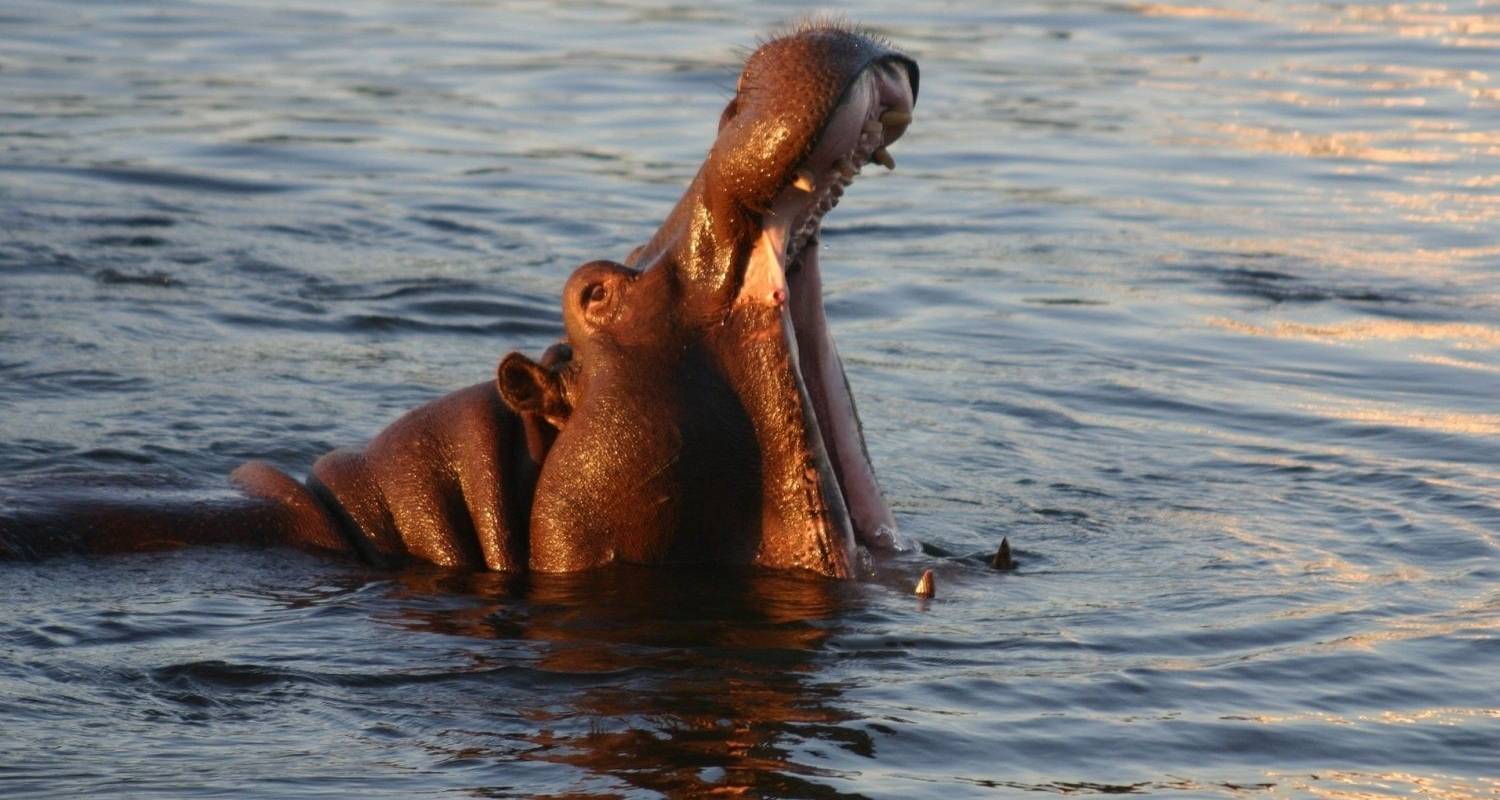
895 119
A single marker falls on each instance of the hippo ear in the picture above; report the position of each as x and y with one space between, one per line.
530 388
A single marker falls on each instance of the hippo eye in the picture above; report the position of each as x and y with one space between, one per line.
729 111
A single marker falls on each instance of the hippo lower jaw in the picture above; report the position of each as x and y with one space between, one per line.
822 372
783 270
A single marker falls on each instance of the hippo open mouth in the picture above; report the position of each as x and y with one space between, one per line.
783 270
711 420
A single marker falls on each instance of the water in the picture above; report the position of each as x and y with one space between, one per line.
1195 303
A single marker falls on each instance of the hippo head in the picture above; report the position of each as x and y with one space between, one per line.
704 414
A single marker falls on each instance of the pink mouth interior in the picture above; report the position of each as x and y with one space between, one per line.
784 269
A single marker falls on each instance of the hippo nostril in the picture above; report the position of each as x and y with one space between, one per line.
594 293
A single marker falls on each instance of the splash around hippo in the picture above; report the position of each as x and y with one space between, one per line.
697 412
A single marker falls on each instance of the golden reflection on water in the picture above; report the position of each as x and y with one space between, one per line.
1438 716
1374 78
1345 785
1191 12
1421 160
1333 569
1355 145
1445 207
1454 422
1372 251
1445 361
1416 21
1438 22
1467 335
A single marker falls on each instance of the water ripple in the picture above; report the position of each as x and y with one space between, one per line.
1194 302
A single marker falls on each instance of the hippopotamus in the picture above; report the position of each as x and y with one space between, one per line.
697 410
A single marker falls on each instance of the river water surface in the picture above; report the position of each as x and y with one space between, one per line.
1198 304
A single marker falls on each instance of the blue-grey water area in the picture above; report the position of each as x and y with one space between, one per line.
1198 304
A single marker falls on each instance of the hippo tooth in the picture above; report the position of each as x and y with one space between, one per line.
874 126
882 157
927 586
804 181
845 166
894 118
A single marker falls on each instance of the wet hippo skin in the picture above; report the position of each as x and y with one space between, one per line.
698 411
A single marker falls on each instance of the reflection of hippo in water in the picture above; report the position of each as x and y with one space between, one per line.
698 412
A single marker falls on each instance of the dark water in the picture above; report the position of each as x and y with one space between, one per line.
1197 304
